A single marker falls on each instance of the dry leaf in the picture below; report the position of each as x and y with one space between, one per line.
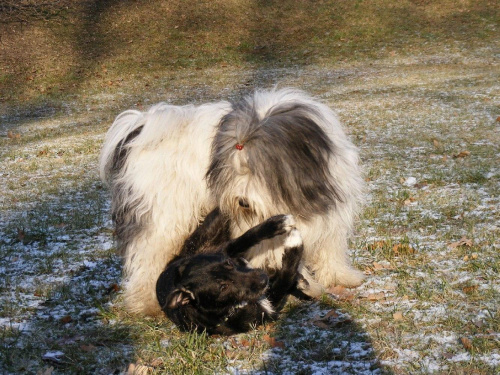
381 266
376 296
337 290
376 245
20 234
131 369
409 201
87 348
403 248
341 293
113 288
321 324
478 323
233 342
53 357
331 314
47 371
246 343
231 354
368 271
470 289
390 286
157 362
466 343
463 241
436 143
398 315
66 319
273 342
462 154
270 327
13 135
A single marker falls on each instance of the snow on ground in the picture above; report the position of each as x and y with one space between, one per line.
430 148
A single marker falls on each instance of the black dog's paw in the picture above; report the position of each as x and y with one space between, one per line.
278 225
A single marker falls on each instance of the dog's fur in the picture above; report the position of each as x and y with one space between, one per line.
210 287
170 166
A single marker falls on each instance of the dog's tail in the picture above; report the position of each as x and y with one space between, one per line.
140 129
126 126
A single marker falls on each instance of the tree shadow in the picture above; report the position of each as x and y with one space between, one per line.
59 286
264 35
66 275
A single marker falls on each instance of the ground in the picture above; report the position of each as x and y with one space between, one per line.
427 124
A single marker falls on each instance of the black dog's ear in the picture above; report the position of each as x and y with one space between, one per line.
179 297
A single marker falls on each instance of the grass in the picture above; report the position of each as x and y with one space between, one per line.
414 82
105 45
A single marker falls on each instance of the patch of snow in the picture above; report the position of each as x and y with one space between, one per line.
462 357
55 355
410 181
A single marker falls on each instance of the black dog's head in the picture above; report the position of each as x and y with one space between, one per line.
213 292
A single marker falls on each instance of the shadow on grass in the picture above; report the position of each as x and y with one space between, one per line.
58 282
319 338
60 279
69 331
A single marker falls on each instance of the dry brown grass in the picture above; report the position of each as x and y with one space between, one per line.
92 44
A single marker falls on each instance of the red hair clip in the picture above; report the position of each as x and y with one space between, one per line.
239 146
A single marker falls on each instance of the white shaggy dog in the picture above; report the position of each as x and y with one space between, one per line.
274 152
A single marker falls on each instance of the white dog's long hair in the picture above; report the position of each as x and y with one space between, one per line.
274 152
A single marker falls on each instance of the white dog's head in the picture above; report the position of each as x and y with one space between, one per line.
272 160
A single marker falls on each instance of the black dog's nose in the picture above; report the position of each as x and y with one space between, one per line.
243 203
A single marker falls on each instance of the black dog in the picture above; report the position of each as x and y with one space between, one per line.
210 286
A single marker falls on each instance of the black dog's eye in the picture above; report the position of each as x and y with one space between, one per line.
228 264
